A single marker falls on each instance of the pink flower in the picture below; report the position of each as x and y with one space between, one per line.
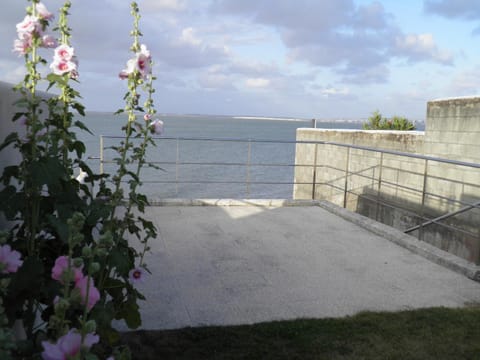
93 293
21 46
157 127
64 52
123 75
68 345
61 264
137 275
60 67
43 13
147 117
28 26
141 63
48 41
10 259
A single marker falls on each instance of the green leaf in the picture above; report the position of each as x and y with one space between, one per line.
78 147
11 202
131 314
47 171
60 80
79 107
82 126
60 227
28 278
10 139
120 259
114 288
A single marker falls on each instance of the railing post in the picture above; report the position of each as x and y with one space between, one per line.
345 191
249 155
101 154
379 186
314 180
177 160
424 190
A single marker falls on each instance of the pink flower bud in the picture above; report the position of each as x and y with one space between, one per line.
43 13
48 41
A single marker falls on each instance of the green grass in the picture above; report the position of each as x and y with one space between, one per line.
435 333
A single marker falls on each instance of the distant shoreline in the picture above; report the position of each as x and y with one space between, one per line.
246 117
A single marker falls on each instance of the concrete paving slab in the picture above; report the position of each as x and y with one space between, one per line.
230 264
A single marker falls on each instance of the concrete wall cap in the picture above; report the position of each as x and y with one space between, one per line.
475 98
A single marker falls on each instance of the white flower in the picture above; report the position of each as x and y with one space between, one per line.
157 127
28 26
60 67
144 51
64 52
137 275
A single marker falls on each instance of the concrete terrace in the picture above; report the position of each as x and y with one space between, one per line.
242 262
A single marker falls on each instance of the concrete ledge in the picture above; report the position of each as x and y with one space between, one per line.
234 202
411 243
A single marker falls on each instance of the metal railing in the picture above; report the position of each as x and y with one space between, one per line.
343 182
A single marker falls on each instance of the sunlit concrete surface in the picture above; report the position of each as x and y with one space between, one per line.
223 265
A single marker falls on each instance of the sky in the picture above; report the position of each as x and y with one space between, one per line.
285 58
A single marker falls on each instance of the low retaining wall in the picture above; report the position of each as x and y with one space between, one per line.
393 189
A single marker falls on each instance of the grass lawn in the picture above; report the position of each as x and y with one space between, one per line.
436 333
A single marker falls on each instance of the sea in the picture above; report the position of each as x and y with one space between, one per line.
210 156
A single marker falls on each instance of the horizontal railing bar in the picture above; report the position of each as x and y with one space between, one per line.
357 147
219 182
213 163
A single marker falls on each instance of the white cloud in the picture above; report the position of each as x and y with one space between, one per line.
257 83
337 34
164 5
188 37
418 47
214 78
331 91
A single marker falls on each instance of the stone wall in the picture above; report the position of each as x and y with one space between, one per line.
389 188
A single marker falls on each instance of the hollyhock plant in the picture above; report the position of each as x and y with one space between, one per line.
68 346
55 215
10 259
